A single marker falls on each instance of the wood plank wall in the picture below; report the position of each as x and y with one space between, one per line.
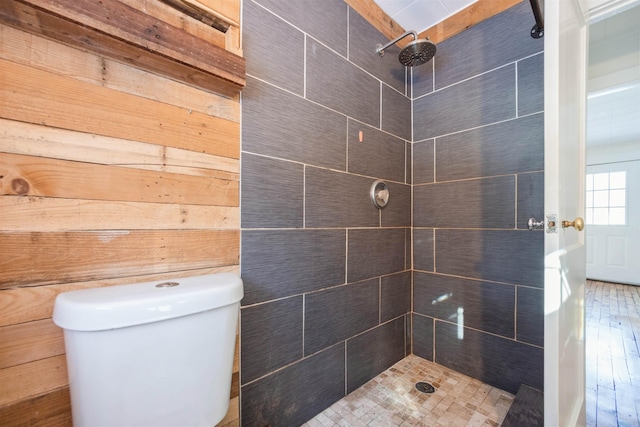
108 175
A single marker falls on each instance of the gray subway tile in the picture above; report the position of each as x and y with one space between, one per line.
363 40
264 181
396 113
497 361
325 21
338 84
375 252
397 213
515 146
482 100
374 351
271 337
423 161
333 315
298 392
281 263
478 203
336 199
530 198
422 336
395 296
490 44
379 154
486 306
423 255
509 256
278 124
265 33
422 78
531 85
409 168
530 321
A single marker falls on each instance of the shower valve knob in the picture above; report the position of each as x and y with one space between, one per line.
534 224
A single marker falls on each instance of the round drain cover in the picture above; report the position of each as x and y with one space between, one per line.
425 387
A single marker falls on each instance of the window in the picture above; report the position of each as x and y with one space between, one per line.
606 198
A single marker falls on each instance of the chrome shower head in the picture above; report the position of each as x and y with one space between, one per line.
417 52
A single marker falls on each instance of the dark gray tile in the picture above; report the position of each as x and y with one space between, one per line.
395 296
423 154
379 154
336 199
278 124
408 249
531 85
283 66
423 255
486 306
396 113
271 337
397 213
482 100
478 203
409 168
422 336
325 20
363 41
373 352
530 321
511 147
333 315
375 252
295 394
497 41
264 181
281 263
338 84
530 198
509 256
422 78
497 361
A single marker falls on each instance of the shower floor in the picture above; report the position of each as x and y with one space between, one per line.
390 399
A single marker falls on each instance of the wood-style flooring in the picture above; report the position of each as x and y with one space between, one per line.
612 356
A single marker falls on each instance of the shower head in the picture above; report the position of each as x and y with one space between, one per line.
415 53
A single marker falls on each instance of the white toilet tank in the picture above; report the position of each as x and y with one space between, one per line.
151 354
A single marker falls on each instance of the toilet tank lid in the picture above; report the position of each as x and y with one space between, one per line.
120 306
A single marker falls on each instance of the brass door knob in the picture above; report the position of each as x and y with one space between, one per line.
578 224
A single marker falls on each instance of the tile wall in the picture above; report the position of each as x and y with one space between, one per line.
478 160
334 293
327 275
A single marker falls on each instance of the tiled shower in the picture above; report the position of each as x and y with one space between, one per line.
336 290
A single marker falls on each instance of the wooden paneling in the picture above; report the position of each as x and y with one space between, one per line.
36 96
33 258
108 175
112 29
49 410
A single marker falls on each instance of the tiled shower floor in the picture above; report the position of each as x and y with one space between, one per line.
391 399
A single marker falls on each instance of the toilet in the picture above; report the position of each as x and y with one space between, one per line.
151 354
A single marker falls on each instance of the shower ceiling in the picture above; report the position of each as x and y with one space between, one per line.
419 15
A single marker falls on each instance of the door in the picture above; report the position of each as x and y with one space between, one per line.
565 54
613 233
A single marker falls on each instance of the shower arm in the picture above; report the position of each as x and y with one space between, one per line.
380 48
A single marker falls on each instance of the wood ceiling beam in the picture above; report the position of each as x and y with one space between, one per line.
455 24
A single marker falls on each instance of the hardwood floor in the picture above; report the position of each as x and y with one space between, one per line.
612 356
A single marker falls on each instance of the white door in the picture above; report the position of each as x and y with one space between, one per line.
565 33
613 232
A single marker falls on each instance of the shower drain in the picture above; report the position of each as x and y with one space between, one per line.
425 387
